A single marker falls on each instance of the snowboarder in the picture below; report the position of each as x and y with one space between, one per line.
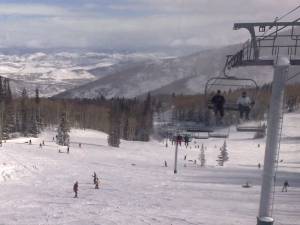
218 102
75 189
95 177
244 104
97 183
186 140
285 186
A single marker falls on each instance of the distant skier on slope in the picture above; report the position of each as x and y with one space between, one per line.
285 186
186 140
97 183
95 177
166 164
75 189
179 139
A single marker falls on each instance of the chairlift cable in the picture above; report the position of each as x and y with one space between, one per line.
281 17
292 77
281 28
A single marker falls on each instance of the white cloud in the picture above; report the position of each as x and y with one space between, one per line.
172 23
31 10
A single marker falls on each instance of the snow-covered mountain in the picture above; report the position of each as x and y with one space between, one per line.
57 72
90 75
186 75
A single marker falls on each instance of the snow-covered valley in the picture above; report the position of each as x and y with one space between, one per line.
135 187
53 73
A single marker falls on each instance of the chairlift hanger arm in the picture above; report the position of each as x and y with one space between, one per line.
250 53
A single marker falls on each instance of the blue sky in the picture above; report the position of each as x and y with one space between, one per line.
130 24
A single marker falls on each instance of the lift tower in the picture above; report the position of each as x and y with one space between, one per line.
272 44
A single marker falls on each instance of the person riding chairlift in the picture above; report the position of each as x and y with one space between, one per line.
244 105
218 102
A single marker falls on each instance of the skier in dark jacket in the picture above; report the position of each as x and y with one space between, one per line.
218 102
285 186
75 189
97 183
186 140
95 177
179 139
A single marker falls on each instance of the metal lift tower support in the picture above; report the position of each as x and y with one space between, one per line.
280 57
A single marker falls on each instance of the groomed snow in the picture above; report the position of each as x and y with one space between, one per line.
135 189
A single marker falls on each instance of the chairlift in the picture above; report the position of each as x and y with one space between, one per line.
260 128
199 129
226 84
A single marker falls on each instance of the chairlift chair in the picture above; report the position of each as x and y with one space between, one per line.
260 128
226 83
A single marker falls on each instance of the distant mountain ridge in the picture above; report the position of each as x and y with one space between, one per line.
182 75
57 72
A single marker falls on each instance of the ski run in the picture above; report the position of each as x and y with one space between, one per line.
36 182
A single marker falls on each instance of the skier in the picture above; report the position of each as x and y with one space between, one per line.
40 145
285 186
79 145
97 183
179 139
186 140
244 105
184 157
218 102
68 150
30 141
75 189
166 164
43 143
95 177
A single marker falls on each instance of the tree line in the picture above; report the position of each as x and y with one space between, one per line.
120 118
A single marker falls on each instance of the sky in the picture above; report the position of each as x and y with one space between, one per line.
131 24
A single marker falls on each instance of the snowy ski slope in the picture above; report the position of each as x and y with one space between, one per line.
136 189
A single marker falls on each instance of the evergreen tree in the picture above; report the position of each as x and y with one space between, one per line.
126 129
146 123
38 111
34 128
114 125
223 157
24 113
9 111
63 130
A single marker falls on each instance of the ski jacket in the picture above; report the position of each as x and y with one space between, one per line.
218 100
244 101
75 187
